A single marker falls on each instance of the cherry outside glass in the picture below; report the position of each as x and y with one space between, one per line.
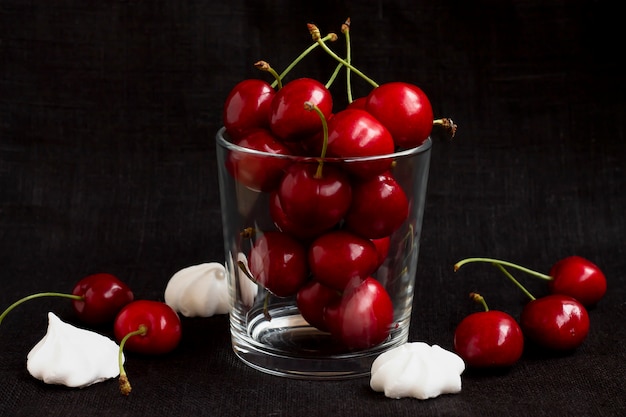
268 332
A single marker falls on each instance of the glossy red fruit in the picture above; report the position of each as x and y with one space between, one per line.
357 103
404 109
362 317
339 257
162 324
301 231
247 107
316 201
289 120
103 295
277 262
557 322
579 278
379 207
258 172
312 299
382 245
488 339
356 133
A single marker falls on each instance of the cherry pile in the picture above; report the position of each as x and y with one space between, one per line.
140 326
556 322
332 221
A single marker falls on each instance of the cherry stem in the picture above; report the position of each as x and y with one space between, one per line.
265 66
504 263
332 78
479 299
345 29
516 282
312 107
247 273
124 383
295 62
315 33
39 295
448 124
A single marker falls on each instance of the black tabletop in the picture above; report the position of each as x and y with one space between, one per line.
108 112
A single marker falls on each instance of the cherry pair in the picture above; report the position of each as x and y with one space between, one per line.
142 326
558 322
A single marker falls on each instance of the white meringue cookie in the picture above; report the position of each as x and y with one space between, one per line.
73 357
199 290
417 370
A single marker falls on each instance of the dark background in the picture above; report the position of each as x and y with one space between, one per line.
108 112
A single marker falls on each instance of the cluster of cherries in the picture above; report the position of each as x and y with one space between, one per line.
333 220
141 326
557 322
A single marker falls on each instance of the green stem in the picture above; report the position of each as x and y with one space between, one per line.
298 59
315 32
39 295
332 78
516 282
345 29
124 383
312 107
479 299
505 263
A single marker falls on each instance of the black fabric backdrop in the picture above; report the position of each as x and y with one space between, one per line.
108 112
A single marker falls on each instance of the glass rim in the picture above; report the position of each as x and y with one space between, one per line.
403 153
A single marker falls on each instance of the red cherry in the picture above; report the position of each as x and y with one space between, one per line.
289 120
285 224
317 201
258 172
404 109
489 338
557 322
382 245
338 257
278 263
579 278
357 103
103 295
362 317
148 327
96 298
312 299
379 207
162 327
247 107
356 133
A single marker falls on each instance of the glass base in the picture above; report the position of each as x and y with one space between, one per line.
286 345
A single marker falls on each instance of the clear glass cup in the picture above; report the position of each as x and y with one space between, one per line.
268 331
